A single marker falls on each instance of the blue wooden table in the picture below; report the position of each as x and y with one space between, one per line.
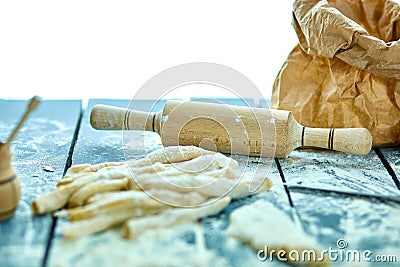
59 135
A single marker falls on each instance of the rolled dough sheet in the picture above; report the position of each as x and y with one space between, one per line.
266 228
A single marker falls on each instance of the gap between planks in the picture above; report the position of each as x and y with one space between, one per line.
68 164
388 167
279 167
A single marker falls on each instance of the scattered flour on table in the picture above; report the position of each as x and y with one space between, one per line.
22 255
333 170
372 221
161 247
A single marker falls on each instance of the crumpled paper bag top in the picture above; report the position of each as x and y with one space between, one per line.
345 72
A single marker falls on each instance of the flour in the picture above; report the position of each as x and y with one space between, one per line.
161 247
22 255
364 224
371 223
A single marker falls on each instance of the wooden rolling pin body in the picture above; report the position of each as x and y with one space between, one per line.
231 129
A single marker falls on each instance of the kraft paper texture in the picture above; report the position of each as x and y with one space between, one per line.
345 72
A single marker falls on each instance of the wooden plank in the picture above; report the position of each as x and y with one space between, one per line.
334 170
45 139
365 224
203 244
95 146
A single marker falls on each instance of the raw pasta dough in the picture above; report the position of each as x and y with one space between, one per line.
151 192
261 225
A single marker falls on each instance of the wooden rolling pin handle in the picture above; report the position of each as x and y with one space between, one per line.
103 117
356 141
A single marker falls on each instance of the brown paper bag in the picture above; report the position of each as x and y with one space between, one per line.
345 72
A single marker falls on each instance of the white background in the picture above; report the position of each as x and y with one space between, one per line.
108 49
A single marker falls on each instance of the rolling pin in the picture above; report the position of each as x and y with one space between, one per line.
231 129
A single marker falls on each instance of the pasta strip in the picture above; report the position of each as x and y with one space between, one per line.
54 200
102 222
181 199
80 170
123 200
78 198
57 199
132 228
171 154
100 196
203 184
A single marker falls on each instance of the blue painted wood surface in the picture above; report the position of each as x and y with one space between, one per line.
364 223
44 140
